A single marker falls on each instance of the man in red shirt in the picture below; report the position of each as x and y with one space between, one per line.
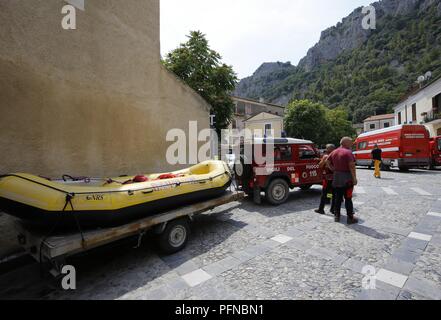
342 162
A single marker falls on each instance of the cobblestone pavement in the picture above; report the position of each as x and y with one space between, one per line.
246 251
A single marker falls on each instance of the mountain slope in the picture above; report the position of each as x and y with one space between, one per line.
363 71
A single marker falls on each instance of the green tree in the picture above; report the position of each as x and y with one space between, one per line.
307 120
339 124
201 68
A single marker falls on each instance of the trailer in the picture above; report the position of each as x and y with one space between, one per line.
171 228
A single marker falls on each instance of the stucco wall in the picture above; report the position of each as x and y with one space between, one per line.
423 101
92 101
257 125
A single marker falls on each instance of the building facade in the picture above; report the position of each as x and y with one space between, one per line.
379 122
92 101
422 107
265 125
251 113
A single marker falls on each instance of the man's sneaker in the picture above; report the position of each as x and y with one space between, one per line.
319 211
352 220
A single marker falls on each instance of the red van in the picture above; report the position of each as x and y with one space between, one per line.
404 146
435 152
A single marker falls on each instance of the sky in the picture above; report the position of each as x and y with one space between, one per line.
249 32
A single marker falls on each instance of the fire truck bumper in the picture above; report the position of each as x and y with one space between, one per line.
409 163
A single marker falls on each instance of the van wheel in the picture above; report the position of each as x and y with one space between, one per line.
277 192
175 236
306 187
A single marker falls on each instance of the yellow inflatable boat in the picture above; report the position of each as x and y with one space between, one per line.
89 202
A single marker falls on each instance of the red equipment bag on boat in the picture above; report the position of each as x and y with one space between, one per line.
140 178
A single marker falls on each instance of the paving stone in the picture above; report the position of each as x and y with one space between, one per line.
327 254
294 232
413 244
271 243
196 277
382 292
434 214
243 256
177 284
428 225
423 287
222 266
392 278
186 267
420 236
300 244
407 255
281 238
399 266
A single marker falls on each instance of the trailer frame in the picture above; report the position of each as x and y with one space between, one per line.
55 249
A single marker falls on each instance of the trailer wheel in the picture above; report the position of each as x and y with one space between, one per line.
277 192
175 236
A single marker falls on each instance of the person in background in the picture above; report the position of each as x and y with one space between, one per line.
342 162
328 177
377 158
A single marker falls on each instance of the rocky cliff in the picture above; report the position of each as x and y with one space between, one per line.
278 81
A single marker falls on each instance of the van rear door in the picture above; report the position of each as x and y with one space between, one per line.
415 143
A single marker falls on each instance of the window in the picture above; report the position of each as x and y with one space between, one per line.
414 112
247 109
386 124
362 145
439 145
234 124
268 130
372 126
399 117
307 152
282 153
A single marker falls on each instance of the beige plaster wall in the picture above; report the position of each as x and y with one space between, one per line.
93 101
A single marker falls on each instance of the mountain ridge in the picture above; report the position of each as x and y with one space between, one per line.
280 82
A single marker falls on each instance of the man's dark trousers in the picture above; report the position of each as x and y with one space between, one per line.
346 194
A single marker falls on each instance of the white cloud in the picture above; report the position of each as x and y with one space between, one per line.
249 32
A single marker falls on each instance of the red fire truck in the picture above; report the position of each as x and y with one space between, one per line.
435 152
403 146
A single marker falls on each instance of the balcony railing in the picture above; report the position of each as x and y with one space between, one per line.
432 115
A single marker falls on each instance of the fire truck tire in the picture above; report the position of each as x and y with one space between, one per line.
385 167
277 192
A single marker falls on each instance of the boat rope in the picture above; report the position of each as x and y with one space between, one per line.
151 189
